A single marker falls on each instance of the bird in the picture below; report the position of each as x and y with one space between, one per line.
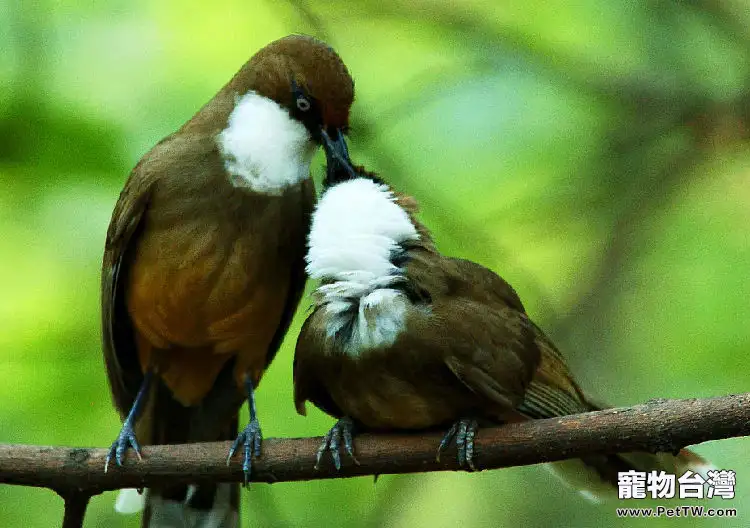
404 338
203 264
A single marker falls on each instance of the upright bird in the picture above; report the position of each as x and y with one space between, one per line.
405 338
203 263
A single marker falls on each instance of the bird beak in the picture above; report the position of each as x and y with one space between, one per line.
338 165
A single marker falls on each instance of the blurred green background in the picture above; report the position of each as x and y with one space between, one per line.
593 153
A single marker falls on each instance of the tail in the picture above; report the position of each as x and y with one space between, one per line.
554 392
209 505
596 477
203 506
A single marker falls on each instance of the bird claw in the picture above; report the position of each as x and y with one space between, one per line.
250 438
119 447
463 431
342 431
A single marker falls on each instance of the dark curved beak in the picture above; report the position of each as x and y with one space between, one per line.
338 165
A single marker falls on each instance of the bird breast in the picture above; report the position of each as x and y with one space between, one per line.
211 281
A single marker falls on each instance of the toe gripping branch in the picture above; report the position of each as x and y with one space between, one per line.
342 431
250 438
127 437
463 431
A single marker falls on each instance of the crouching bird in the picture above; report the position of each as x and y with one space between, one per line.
204 262
404 338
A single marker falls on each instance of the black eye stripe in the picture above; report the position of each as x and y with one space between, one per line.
299 92
306 109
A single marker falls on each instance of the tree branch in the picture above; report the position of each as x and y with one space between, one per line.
75 508
656 426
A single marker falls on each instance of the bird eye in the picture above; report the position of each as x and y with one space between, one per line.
303 104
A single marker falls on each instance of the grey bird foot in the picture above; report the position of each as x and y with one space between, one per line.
464 431
343 430
251 439
119 447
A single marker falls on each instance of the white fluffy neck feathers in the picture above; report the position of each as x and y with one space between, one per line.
355 229
263 147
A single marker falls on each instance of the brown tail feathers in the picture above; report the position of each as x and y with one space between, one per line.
554 392
596 476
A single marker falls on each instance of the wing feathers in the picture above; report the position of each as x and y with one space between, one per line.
480 383
118 341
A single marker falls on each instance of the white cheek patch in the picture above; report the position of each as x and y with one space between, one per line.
356 228
263 148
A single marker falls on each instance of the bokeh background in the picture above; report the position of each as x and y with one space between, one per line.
593 153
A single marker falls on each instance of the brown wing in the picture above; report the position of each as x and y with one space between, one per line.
547 387
120 355
553 390
492 354
550 389
478 322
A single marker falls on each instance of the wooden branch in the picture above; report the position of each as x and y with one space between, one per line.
75 508
657 426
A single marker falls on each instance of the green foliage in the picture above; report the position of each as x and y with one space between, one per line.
594 154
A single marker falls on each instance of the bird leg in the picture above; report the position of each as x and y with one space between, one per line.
464 431
343 430
251 437
127 438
